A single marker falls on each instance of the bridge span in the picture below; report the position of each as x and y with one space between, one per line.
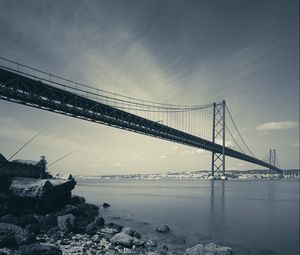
58 95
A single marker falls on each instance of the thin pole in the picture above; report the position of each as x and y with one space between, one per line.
213 140
223 149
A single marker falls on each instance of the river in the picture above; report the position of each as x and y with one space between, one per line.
251 216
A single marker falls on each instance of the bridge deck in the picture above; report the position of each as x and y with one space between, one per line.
35 92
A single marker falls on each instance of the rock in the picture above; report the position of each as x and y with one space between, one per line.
163 229
137 242
95 238
40 249
21 236
105 205
209 249
69 209
151 243
131 232
99 222
76 200
21 221
7 239
5 251
115 226
122 239
46 194
111 231
66 222
91 229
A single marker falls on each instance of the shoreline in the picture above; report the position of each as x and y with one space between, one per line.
76 227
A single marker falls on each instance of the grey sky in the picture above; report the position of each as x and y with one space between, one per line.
179 52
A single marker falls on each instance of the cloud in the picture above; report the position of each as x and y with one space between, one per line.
163 157
280 125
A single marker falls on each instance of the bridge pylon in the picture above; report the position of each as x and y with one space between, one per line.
218 135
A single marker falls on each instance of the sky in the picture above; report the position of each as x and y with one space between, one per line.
181 52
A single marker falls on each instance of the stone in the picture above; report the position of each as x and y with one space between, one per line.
40 249
99 222
151 243
105 205
122 239
22 220
91 229
21 236
66 223
163 229
137 242
209 249
7 239
76 200
108 230
95 238
131 232
45 193
6 251
115 226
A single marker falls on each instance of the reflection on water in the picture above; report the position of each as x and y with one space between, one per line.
253 217
217 215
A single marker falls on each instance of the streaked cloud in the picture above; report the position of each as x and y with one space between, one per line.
280 125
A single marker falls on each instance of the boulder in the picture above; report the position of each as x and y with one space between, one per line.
209 249
46 194
66 223
131 232
122 239
99 222
76 200
91 229
7 239
105 205
40 249
22 220
21 236
117 227
163 229
6 251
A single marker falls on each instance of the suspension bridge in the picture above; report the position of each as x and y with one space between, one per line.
201 126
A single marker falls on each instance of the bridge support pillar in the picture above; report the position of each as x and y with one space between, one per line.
218 136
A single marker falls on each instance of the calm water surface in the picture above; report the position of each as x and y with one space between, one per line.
253 217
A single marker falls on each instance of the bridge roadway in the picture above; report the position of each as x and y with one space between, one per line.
35 92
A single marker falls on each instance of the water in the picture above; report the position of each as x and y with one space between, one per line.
252 217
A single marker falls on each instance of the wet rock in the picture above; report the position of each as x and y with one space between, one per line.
105 205
91 229
137 242
208 249
151 243
40 249
46 194
108 230
68 209
21 236
77 200
66 222
131 232
96 238
117 227
7 239
99 222
6 251
122 239
22 220
163 229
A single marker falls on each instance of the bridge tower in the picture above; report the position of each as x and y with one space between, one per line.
273 160
218 135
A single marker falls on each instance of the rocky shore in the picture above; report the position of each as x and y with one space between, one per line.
40 216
